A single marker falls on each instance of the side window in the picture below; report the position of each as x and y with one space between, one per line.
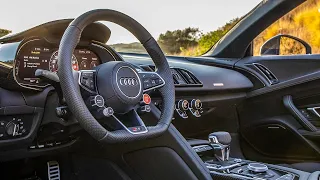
295 33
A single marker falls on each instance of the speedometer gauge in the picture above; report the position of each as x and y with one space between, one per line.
53 63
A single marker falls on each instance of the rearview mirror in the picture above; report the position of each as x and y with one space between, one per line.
285 45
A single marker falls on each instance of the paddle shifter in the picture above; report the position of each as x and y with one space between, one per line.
220 141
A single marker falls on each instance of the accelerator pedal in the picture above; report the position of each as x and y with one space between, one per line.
53 170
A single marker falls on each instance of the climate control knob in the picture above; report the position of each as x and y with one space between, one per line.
195 107
196 104
12 129
183 105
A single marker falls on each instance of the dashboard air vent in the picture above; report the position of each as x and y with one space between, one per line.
267 73
184 78
181 77
178 79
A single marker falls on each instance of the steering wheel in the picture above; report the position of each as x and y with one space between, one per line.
118 85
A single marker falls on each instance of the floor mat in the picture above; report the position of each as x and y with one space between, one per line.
96 169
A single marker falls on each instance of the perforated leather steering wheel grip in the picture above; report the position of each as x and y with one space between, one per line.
71 90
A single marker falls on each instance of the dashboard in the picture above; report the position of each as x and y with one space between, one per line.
41 54
31 103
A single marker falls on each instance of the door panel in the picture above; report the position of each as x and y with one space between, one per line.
273 129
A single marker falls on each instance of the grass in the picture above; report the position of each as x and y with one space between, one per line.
302 22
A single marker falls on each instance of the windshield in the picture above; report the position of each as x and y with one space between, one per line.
182 28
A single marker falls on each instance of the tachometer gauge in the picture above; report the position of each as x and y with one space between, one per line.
53 63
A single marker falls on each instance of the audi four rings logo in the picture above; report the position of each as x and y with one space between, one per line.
128 81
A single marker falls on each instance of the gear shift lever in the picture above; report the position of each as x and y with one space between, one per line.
220 141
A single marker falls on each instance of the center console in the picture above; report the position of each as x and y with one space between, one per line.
215 155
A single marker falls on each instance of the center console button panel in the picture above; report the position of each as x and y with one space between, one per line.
247 171
244 168
232 168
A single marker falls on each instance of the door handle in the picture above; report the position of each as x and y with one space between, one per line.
288 103
315 111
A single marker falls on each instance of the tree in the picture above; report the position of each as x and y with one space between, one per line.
4 32
207 40
173 42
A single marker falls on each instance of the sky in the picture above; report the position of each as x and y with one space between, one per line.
156 16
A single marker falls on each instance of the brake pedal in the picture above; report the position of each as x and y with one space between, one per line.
53 170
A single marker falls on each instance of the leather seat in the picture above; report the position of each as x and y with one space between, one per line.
305 166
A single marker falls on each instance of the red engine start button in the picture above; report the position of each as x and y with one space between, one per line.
146 99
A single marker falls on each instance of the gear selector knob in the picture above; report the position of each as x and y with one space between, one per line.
220 137
220 141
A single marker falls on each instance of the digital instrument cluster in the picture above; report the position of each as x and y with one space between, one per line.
32 57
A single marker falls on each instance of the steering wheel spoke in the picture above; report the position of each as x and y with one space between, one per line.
151 80
87 80
131 122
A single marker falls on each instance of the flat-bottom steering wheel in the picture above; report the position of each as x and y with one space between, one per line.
117 84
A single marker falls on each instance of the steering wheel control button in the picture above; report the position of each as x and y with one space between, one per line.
144 109
146 99
257 167
146 83
137 129
159 81
96 101
151 80
107 112
87 80
103 112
